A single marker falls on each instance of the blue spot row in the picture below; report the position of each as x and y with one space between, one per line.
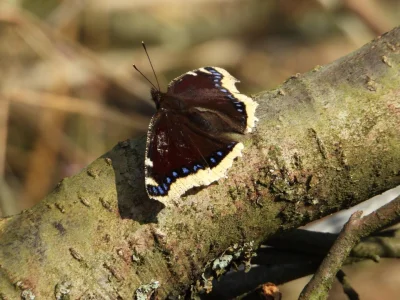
216 75
218 156
158 190
239 106
163 188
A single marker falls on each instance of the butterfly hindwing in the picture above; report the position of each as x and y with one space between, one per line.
179 158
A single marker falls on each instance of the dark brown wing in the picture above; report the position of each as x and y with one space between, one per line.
180 156
213 90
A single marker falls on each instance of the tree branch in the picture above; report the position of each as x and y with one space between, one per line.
355 229
297 254
326 140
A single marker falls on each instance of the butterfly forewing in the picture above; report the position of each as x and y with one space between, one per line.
214 89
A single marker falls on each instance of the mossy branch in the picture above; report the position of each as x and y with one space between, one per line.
326 140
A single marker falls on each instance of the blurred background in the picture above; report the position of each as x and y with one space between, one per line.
68 92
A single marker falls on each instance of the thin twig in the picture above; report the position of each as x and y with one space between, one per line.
355 229
347 288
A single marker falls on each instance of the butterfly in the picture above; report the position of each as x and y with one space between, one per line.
188 141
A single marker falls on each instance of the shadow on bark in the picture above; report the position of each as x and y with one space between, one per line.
133 202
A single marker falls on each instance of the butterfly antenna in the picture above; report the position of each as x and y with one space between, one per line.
155 75
145 77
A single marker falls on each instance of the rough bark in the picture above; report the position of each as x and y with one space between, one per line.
326 140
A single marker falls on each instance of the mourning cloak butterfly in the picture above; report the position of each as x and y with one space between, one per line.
187 142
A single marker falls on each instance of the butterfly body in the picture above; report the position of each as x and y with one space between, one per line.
188 141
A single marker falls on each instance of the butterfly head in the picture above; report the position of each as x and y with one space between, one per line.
156 96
